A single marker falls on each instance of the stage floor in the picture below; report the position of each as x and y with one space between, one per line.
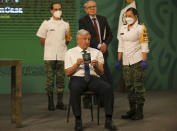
160 114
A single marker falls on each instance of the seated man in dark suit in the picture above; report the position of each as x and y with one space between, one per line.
85 75
101 37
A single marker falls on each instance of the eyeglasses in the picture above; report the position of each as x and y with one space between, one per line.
90 7
57 9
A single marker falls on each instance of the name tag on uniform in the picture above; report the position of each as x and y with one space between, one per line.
52 30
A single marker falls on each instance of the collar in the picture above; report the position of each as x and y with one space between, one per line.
52 19
80 50
135 25
91 17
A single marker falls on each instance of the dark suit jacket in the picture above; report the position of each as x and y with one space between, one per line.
87 24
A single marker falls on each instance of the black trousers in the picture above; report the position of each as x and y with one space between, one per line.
78 86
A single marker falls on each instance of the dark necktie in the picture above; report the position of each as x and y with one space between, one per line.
96 29
87 70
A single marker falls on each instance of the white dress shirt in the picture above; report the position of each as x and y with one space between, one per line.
75 53
54 32
132 43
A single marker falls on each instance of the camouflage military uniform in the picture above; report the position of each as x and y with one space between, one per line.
55 35
134 81
53 67
133 44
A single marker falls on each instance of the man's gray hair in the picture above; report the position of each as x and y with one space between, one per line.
85 5
82 32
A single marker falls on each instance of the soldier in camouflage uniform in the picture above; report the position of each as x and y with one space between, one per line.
134 77
133 48
54 36
53 68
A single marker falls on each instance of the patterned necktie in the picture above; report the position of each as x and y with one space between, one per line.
96 29
87 70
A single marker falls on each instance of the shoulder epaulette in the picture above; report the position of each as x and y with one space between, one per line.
141 23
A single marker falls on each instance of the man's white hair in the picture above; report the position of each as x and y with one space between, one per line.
82 32
85 5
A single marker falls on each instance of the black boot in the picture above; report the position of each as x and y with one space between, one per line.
132 111
60 104
50 102
109 125
78 125
139 114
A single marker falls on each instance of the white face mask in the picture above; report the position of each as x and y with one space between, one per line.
57 14
129 20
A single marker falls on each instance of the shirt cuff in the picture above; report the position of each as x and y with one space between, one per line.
144 47
120 50
40 35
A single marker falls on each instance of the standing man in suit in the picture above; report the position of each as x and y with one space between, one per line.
101 34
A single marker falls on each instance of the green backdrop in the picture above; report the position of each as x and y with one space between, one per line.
18 40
